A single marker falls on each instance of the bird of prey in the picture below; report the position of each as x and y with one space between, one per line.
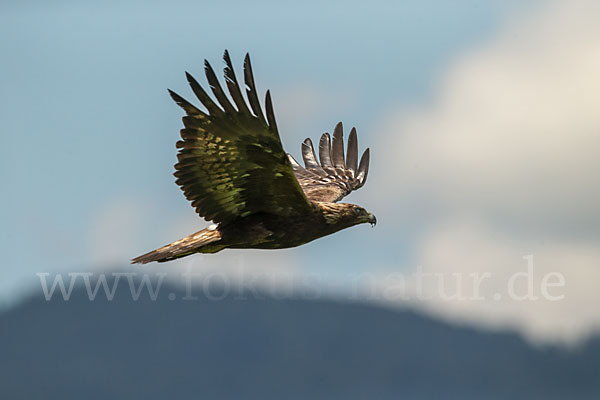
232 167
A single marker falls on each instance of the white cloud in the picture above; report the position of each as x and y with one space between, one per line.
505 158
515 127
472 273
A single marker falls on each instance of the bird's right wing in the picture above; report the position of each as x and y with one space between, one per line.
335 176
231 161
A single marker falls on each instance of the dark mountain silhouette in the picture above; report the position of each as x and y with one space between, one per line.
264 348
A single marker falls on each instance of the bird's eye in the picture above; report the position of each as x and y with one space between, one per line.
357 210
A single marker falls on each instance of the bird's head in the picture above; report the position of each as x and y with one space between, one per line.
342 215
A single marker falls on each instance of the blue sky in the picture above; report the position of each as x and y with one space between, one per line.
87 119
89 132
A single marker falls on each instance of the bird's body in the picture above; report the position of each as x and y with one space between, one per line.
233 169
275 232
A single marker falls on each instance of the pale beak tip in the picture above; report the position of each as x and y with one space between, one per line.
372 220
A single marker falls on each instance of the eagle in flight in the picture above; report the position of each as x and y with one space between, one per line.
232 167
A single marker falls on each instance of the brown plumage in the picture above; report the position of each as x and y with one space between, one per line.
232 167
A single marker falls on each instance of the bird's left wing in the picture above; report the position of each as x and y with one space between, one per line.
231 161
335 176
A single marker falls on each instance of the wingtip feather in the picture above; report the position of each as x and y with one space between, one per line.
352 151
363 168
337 151
216 88
189 108
325 150
308 154
233 86
270 112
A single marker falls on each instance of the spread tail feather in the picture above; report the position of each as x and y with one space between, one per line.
200 242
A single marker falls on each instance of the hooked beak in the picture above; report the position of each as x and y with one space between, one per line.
372 220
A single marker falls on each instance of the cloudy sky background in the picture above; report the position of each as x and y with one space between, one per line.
481 117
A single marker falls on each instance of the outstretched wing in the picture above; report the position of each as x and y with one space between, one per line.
334 177
231 161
